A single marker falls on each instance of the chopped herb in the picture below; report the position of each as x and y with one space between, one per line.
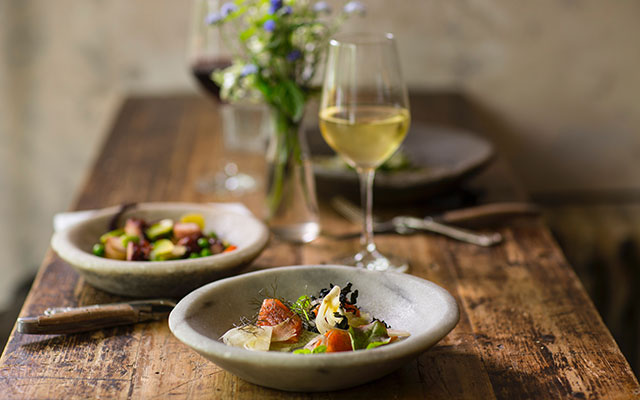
320 349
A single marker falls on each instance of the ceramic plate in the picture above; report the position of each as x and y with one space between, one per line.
405 302
443 157
172 278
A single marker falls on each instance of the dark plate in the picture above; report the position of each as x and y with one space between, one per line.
443 157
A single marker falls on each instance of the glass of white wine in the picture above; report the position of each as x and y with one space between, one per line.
364 117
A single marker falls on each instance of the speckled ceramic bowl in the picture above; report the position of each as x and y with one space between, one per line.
173 278
405 302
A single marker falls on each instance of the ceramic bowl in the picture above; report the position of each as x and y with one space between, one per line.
173 278
405 302
442 156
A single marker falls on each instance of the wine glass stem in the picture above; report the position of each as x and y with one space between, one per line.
366 176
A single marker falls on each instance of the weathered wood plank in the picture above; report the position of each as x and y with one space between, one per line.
527 328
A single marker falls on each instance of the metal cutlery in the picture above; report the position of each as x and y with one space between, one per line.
407 224
82 319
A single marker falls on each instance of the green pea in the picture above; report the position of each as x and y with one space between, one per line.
98 249
205 252
203 243
194 255
213 235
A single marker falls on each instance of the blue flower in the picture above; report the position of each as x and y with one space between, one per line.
287 10
275 6
227 8
322 6
248 69
269 25
354 7
294 55
213 18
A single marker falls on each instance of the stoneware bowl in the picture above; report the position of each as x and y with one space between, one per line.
442 158
405 302
173 278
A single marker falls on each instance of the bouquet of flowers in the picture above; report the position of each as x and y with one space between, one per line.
277 47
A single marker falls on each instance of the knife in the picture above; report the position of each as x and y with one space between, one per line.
82 319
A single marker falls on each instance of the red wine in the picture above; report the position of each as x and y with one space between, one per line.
202 70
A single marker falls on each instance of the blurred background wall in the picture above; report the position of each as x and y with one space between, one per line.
562 75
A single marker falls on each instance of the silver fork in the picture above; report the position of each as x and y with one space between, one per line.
406 225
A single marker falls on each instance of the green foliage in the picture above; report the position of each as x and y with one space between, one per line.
318 350
302 306
369 336
277 48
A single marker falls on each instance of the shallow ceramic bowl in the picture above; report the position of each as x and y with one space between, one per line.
442 156
405 302
172 278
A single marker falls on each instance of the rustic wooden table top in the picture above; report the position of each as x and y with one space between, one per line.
527 328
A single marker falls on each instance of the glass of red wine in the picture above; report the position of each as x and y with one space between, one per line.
244 126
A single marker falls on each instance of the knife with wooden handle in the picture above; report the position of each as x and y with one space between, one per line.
488 213
99 316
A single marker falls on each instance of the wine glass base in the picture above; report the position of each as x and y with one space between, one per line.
375 261
305 232
221 182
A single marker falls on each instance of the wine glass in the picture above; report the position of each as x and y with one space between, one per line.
245 126
364 116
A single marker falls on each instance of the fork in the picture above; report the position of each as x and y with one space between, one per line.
407 225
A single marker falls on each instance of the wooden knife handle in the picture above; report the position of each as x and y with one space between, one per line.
80 319
488 213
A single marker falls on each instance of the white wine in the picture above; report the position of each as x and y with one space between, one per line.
365 136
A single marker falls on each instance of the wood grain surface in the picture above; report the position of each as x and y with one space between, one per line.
527 328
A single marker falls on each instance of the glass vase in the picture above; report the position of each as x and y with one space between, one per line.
292 206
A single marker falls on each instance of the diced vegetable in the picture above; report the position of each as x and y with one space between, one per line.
194 218
338 340
160 229
178 251
163 240
229 248
117 232
129 238
162 250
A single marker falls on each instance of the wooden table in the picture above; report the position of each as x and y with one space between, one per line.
527 328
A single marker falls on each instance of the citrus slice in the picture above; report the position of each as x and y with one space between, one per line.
194 218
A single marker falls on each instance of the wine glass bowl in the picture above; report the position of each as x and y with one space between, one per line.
243 124
364 116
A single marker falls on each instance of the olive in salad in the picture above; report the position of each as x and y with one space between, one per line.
328 322
163 240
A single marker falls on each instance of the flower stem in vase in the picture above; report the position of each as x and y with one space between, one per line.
292 210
